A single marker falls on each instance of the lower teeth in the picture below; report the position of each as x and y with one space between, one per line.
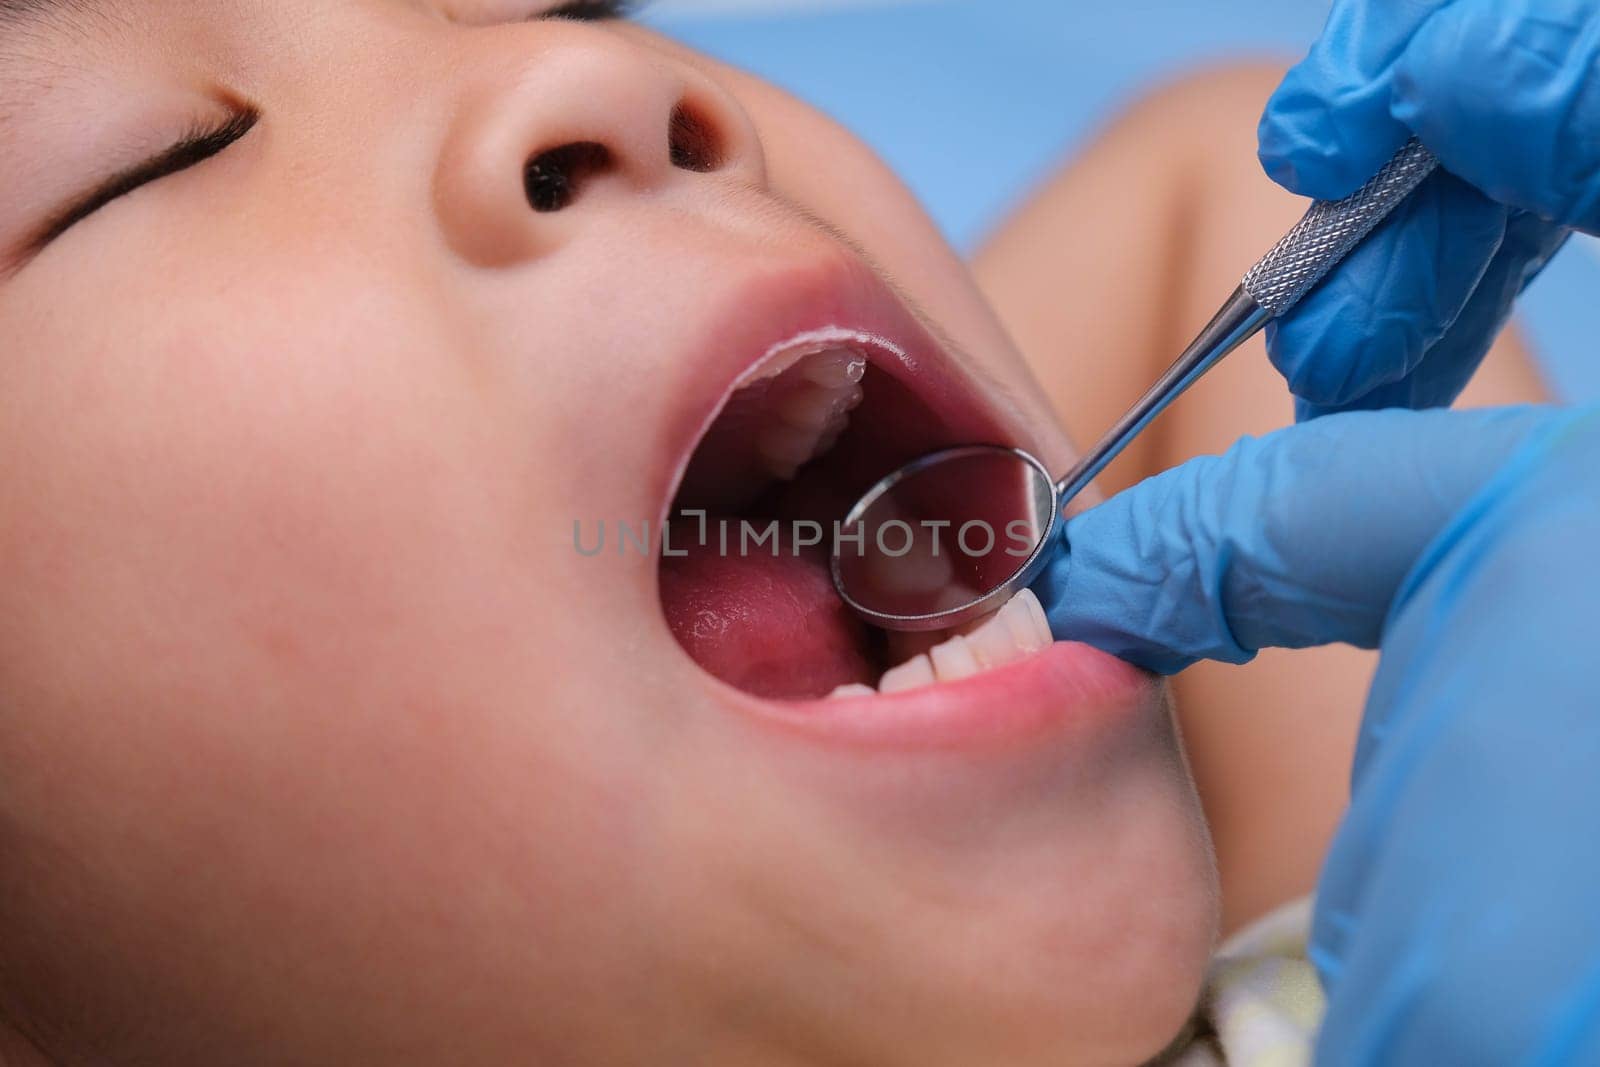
1015 632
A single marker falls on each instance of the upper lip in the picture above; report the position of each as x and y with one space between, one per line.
832 292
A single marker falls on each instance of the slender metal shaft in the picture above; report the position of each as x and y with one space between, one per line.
1240 319
1329 231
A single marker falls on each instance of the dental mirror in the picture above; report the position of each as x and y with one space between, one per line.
953 535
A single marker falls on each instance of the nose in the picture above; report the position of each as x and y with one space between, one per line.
556 118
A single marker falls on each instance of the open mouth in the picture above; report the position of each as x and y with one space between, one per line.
745 582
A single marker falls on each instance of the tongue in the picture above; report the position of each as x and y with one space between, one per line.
771 625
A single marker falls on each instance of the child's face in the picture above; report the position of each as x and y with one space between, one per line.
320 742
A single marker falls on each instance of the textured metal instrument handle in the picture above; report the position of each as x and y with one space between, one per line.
1331 230
1328 233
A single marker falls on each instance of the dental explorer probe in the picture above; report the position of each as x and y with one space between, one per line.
995 488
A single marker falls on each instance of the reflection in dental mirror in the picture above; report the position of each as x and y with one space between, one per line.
945 539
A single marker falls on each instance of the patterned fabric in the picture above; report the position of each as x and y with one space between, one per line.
1262 1003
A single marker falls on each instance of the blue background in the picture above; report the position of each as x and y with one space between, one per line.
972 101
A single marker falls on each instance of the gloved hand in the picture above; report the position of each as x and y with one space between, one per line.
1502 91
1456 920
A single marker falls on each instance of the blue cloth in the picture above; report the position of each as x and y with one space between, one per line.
974 101
1455 920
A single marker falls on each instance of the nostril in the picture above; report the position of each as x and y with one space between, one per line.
553 179
694 142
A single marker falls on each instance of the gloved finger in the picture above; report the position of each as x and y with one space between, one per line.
1433 385
1526 135
1328 128
1298 538
1373 319
1449 363
1478 740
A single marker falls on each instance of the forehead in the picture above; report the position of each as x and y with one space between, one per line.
46 42
22 21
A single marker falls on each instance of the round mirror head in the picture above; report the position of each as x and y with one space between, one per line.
946 538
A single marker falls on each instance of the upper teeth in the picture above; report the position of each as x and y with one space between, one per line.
814 400
1014 632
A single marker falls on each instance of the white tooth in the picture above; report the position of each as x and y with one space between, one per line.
835 369
954 660
1016 631
914 673
807 408
785 448
855 689
995 642
812 411
1037 620
1020 621
1018 618
811 406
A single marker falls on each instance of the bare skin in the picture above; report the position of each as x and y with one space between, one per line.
316 747
318 742
1102 278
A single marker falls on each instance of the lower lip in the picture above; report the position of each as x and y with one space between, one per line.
1065 688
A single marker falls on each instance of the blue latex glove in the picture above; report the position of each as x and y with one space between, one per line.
1502 91
1456 920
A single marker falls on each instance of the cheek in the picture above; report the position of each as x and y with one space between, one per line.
819 165
277 544
200 475
321 500
292 602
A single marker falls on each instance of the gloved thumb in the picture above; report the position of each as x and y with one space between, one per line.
1294 539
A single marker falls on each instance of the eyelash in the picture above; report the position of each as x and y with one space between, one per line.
592 10
190 151
203 144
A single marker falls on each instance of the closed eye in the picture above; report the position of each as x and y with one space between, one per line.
591 10
193 149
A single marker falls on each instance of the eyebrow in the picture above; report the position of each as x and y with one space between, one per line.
19 13
14 11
